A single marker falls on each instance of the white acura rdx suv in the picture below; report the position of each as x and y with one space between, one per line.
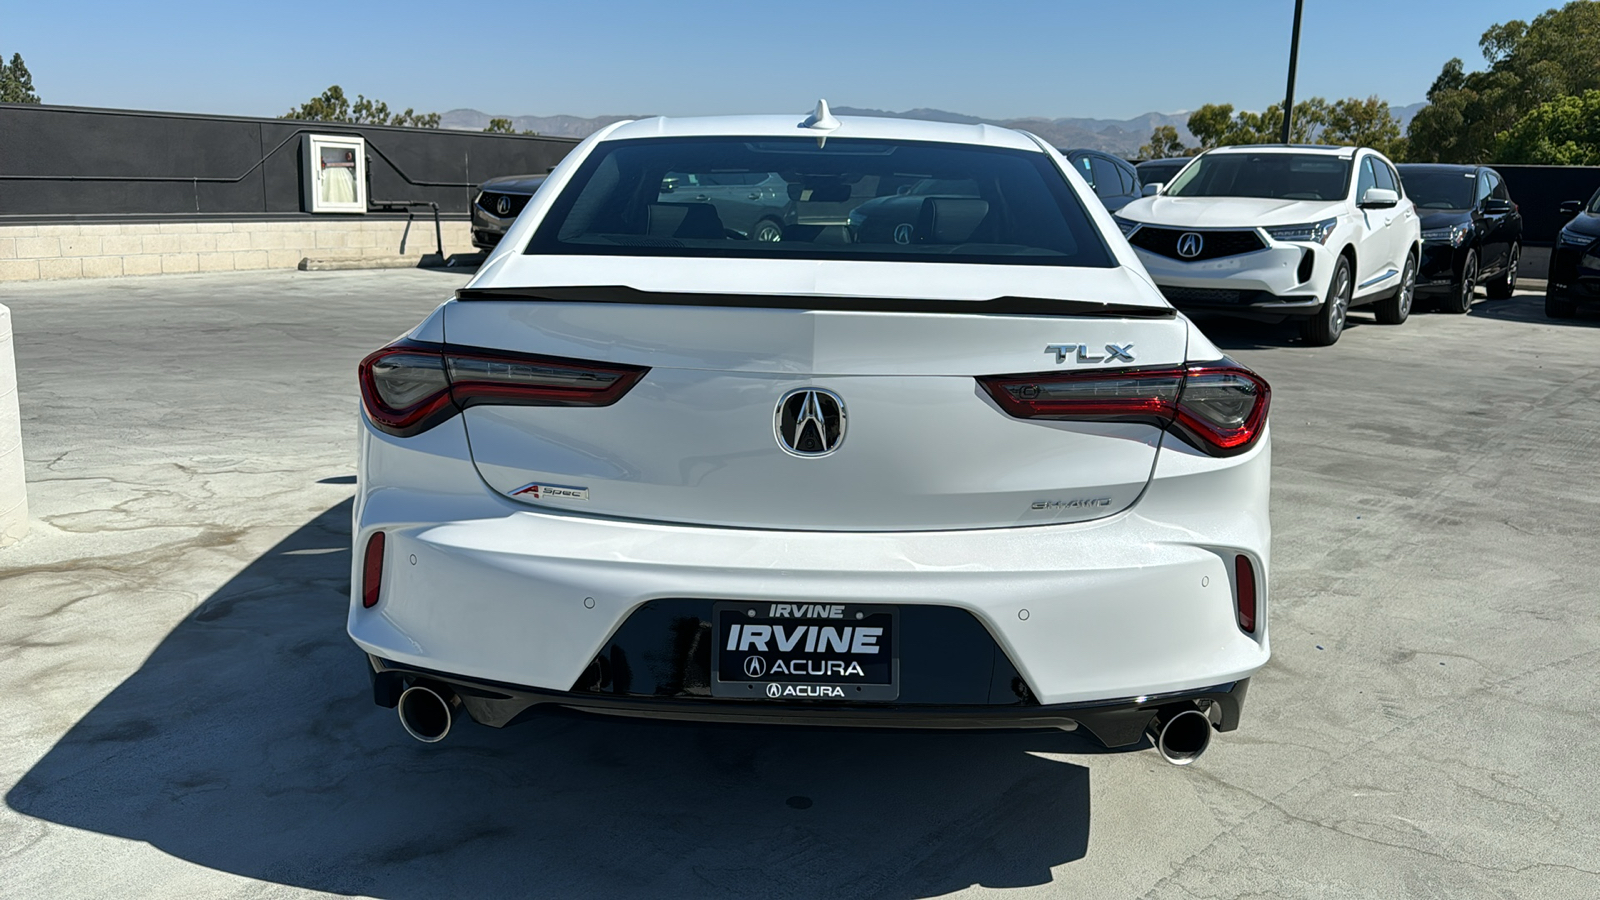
1271 232
953 463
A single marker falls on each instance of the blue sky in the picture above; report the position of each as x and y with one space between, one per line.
993 58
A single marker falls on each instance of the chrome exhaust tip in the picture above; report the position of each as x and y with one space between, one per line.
1180 735
426 713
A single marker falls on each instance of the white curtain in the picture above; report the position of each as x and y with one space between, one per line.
338 185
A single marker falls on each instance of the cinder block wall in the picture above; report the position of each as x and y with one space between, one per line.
34 252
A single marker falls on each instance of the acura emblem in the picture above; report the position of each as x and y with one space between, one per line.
755 666
503 205
1189 244
809 422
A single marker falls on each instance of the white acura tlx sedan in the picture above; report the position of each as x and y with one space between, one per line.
950 462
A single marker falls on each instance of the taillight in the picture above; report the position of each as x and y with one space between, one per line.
409 387
1219 408
1244 591
372 570
1224 407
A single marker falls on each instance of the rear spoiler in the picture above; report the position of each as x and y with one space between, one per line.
998 306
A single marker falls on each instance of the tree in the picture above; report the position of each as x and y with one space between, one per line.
506 126
1529 64
334 106
1216 125
1364 123
16 82
1164 144
1562 132
1209 124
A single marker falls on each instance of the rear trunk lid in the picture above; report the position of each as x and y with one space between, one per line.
701 438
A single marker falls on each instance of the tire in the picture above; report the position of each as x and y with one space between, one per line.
768 230
1505 284
1323 328
1556 307
1394 310
1460 302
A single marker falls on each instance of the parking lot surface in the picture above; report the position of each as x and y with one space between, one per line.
185 716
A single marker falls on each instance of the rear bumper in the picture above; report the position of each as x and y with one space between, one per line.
1115 723
1135 604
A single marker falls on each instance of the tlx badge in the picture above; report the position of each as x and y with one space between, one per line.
1081 353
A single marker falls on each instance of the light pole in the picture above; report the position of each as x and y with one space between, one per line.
1294 57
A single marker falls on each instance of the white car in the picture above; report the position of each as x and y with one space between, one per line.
1270 232
968 470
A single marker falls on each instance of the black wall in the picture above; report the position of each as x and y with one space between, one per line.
1539 191
70 164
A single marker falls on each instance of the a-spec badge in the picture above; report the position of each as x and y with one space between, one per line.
537 491
1081 353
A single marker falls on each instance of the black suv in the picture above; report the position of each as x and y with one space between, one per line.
1575 262
1471 232
1115 181
499 202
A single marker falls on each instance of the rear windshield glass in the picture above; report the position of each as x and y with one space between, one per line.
1440 189
1278 176
850 199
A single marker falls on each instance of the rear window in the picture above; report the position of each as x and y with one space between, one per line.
849 199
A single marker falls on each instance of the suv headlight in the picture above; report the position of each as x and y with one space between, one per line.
1314 233
1127 225
1571 238
1455 235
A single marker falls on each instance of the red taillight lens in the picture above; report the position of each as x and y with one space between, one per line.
1219 408
1224 407
1244 588
1149 395
408 387
372 570
488 378
405 389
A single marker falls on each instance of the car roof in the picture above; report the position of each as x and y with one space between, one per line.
1320 149
1439 167
849 127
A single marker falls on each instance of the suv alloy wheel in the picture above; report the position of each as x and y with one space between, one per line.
1324 328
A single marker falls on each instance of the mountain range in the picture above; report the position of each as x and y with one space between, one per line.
1122 137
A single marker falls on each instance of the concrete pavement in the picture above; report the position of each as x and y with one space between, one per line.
187 718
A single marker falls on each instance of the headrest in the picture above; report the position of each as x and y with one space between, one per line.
950 220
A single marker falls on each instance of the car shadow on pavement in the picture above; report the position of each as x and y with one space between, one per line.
1529 308
248 743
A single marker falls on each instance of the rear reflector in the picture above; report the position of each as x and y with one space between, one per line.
1219 408
410 387
372 570
1244 586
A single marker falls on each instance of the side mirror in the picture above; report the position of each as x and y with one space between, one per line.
1495 206
1152 189
1379 198
1572 207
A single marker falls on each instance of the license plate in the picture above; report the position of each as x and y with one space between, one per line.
806 651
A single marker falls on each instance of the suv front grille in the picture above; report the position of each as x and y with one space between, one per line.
1214 244
1208 296
490 203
